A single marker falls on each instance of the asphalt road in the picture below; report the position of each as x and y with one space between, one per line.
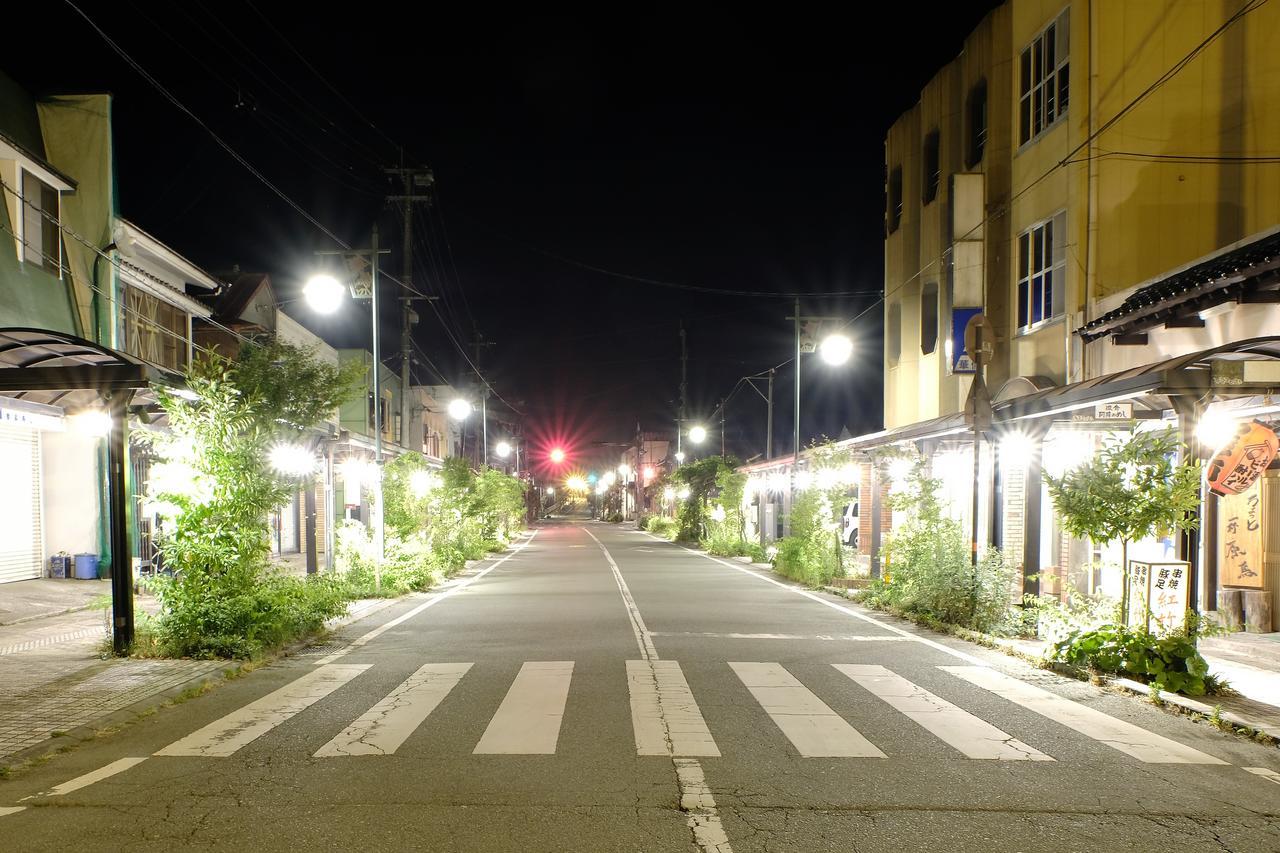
601 690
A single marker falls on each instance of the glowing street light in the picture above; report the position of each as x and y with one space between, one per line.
324 293
609 478
669 492
459 409
684 493
576 484
679 457
698 434
91 422
624 470
835 349
557 455
503 449
292 460
550 491
1215 429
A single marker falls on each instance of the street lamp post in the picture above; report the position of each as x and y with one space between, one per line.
324 294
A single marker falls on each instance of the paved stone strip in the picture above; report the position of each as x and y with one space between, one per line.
384 727
813 728
528 720
1126 737
225 736
955 727
43 642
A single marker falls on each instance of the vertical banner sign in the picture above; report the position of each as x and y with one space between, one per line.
960 360
1240 559
1158 593
1139 592
1234 468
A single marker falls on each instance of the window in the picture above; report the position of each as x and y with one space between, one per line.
1042 260
893 333
976 124
932 176
894 213
1044 80
929 318
154 330
40 224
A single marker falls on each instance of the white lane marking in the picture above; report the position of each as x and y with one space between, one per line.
674 723
1266 773
643 638
664 713
851 638
384 727
89 778
697 802
433 600
225 736
7 810
528 720
954 726
813 728
846 610
1126 737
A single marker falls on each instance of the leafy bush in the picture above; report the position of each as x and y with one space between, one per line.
660 525
929 567
812 554
1170 662
614 517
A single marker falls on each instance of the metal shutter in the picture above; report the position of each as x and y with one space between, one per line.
21 537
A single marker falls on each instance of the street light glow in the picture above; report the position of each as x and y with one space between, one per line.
324 293
292 460
609 478
624 469
679 457
684 493
669 492
557 455
576 484
503 450
550 490
1215 429
835 349
698 434
459 409
91 422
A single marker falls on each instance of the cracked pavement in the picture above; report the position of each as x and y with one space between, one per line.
557 601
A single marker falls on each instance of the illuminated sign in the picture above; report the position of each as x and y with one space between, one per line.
1234 469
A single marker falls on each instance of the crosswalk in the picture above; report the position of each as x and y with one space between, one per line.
667 720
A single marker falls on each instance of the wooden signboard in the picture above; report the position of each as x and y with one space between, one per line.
1240 554
1158 595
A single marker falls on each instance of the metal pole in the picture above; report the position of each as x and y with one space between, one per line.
684 376
795 461
121 560
768 440
484 425
379 540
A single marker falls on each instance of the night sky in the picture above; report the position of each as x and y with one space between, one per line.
729 153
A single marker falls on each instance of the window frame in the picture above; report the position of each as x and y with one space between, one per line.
1052 275
1049 90
975 140
894 202
50 263
937 316
930 172
893 332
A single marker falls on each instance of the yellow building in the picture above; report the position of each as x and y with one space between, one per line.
1101 180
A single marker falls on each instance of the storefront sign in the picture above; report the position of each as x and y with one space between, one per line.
1113 412
34 415
1240 558
1158 595
1235 468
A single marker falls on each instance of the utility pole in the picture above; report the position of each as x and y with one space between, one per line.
480 343
768 431
684 380
412 179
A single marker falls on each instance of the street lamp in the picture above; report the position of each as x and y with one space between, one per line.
698 434
679 457
292 460
557 455
503 450
459 409
835 349
324 293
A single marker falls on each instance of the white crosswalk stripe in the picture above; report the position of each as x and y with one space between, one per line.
664 714
958 728
1126 737
384 727
528 720
814 729
225 736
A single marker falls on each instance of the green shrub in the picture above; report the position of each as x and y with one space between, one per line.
614 518
660 525
1170 662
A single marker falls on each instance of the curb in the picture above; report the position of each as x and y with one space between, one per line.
52 615
1195 706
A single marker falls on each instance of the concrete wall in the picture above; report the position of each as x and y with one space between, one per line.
71 487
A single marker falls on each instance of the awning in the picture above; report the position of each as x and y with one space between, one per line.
55 368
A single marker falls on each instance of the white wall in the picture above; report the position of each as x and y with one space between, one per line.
70 481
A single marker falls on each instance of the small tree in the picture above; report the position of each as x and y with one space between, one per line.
1130 490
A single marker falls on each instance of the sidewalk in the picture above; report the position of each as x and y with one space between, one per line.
55 681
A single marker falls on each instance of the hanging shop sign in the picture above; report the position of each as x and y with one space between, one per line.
1234 469
1113 412
1158 595
961 361
1240 556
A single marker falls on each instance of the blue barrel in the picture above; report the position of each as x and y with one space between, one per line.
87 567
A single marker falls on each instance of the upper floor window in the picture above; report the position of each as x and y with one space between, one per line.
932 175
894 213
1042 266
929 318
893 333
1044 80
39 228
154 330
975 124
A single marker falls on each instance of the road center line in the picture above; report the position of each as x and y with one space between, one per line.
846 610
696 800
435 599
